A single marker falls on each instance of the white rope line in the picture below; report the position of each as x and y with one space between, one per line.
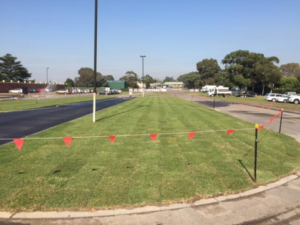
129 135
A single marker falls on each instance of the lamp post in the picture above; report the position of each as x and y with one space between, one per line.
95 61
47 73
143 56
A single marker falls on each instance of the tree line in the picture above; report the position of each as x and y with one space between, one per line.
245 69
86 79
241 69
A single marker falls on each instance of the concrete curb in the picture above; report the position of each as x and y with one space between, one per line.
146 209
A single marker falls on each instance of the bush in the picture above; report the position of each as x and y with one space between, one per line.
284 90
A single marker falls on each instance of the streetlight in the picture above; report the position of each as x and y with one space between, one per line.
143 56
95 60
47 74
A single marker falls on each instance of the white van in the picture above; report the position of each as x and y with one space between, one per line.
207 87
219 91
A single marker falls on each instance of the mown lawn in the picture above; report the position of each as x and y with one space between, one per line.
95 173
21 104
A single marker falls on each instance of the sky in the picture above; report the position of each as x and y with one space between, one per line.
174 35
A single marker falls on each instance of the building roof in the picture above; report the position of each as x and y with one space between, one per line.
173 83
116 81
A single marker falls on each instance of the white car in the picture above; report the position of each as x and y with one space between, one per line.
272 96
63 91
283 98
16 91
294 99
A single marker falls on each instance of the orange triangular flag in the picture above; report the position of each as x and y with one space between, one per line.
68 141
112 138
230 131
153 136
19 143
192 134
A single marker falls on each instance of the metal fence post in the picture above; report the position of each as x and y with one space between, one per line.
255 151
280 121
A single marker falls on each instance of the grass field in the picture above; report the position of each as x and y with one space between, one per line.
21 104
257 101
95 173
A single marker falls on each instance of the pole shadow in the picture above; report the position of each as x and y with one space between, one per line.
241 162
106 117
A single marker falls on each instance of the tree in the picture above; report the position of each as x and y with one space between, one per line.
246 69
267 73
208 70
109 77
290 83
191 80
131 78
148 80
290 70
10 69
86 78
69 82
169 79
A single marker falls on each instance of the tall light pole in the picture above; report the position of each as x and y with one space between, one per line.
95 61
47 73
143 56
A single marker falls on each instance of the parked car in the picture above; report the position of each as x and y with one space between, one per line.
246 94
63 91
294 99
272 97
16 91
283 98
290 93
33 91
115 91
104 92
41 90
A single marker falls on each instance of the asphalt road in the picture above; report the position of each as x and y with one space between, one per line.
252 114
23 123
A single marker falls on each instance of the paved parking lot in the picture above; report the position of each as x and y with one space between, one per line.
252 114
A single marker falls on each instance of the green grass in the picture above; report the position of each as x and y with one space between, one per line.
21 104
94 173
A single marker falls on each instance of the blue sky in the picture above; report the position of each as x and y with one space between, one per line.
174 35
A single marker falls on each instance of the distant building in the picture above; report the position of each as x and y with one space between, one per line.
141 85
117 84
173 84
155 85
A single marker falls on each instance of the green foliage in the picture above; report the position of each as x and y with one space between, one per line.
131 78
290 70
10 69
109 77
69 82
148 80
191 80
208 69
86 78
246 69
169 79
290 83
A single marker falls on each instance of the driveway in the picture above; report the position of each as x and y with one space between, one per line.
290 120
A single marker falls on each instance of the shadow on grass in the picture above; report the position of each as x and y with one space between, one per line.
106 117
241 162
